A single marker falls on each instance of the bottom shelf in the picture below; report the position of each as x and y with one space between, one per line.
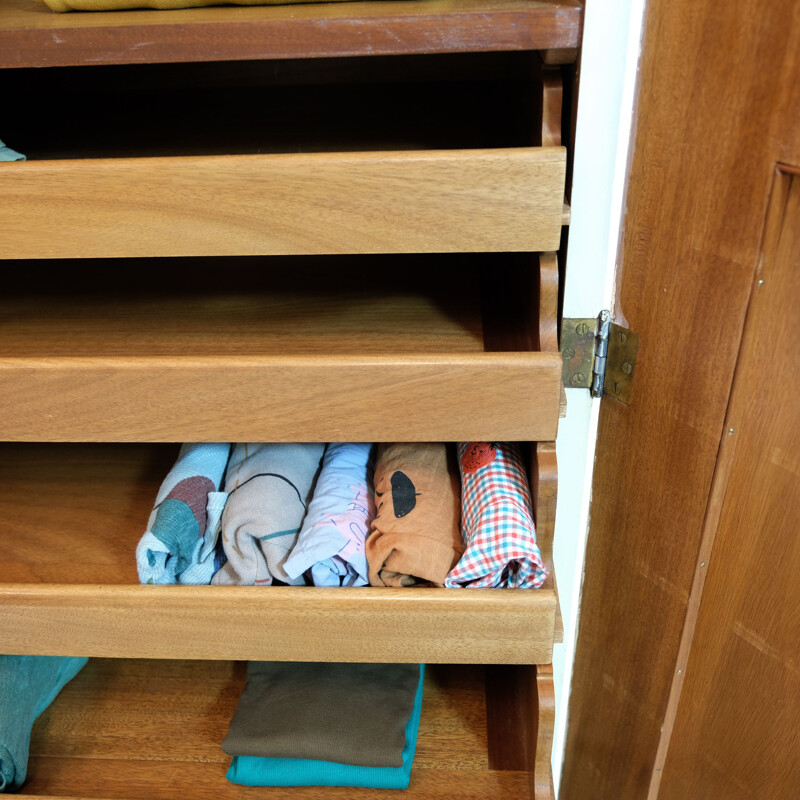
152 729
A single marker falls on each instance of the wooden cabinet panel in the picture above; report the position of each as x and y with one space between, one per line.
735 735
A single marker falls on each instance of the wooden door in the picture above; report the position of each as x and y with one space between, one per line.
736 732
718 113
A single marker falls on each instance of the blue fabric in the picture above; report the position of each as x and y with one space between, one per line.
182 532
28 684
7 154
330 548
253 771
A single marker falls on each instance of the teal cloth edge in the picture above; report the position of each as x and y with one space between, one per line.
255 771
20 707
7 154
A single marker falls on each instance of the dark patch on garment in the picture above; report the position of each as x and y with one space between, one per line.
404 494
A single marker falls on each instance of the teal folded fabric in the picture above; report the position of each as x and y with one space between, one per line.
254 771
7 154
28 684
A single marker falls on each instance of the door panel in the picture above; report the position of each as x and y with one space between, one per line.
735 735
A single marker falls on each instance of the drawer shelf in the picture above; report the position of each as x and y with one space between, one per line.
152 730
32 35
83 598
273 350
190 165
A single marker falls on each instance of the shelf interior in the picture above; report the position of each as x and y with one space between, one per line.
152 729
330 105
245 306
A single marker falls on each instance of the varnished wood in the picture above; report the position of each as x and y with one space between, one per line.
696 206
284 204
776 218
98 499
474 396
545 729
167 351
32 36
735 732
243 306
553 99
520 709
548 302
152 729
383 625
544 485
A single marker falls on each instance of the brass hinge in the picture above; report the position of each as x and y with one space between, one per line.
599 355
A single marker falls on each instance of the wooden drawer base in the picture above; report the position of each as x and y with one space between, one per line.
151 730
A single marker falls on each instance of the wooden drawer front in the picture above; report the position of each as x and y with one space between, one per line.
374 202
472 626
481 396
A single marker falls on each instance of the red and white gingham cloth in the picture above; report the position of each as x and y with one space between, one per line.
497 520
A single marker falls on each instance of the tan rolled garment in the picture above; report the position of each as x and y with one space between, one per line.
162 5
415 536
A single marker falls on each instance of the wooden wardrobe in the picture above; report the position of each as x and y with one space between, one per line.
327 222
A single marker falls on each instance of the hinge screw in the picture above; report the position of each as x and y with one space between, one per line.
568 353
582 329
622 337
627 367
617 388
578 378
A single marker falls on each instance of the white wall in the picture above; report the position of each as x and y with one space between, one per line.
609 60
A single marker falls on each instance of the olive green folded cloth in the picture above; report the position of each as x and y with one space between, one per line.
164 5
342 713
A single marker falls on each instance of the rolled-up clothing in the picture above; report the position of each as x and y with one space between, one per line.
260 771
497 523
182 532
269 488
295 710
415 536
163 5
28 684
330 548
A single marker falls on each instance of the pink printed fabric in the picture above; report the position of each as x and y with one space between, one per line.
497 520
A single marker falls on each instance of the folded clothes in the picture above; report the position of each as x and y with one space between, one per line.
28 684
347 713
497 524
7 154
178 546
256 771
269 487
331 543
415 535
118 5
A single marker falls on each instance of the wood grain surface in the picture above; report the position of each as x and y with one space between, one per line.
152 729
735 735
252 306
718 108
451 397
545 729
284 204
81 598
383 625
32 36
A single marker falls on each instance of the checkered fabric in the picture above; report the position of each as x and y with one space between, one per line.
497 520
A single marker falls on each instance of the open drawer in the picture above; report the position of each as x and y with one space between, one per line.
390 348
70 519
171 160
151 730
